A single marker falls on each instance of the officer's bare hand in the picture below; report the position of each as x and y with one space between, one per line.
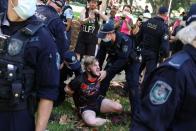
68 90
102 75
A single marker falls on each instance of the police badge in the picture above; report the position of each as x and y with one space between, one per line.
125 48
160 92
14 46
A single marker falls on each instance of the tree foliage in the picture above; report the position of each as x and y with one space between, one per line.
175 4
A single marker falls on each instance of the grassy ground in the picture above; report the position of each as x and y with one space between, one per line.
65 117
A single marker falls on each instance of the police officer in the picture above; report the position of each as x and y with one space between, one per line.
87 38
49 15
67 17
69 67
119 49
153 36
29 69
169 100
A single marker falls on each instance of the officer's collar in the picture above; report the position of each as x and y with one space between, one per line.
191 51
158 17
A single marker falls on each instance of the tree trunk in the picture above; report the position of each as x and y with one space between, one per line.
166 3
131 2
153 6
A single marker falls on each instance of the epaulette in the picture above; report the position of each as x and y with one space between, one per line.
125 38
32 28
177 60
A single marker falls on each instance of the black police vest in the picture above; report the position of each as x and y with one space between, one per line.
46 14
152 34
16 78
91 27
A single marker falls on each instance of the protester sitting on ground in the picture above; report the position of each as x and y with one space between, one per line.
85 91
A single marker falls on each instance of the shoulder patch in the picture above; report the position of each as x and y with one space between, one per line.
125 48
160 92
177 60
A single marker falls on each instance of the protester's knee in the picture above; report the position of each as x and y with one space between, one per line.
91 122
118 108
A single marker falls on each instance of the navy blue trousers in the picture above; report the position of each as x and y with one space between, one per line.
132 78
17 121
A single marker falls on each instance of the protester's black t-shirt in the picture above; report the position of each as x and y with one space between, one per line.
85 91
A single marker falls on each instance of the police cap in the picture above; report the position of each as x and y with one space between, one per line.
105 29
163 10
71 59
59 3
191 16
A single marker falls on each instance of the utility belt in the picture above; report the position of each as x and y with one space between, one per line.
13 90
151 48
136 54
19 103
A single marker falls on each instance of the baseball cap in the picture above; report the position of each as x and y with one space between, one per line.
105 29
71 59
163 10
191 16
59 3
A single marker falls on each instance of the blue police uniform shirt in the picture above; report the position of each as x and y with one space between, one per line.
68 12
120 49
55 25
40 54
169 96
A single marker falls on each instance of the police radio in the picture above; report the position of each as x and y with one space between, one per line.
138 53
3 42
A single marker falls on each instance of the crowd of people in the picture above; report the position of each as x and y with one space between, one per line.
35 62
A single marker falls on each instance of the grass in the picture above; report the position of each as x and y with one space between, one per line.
65 118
